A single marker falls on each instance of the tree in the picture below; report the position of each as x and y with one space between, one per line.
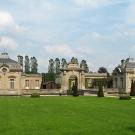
102 70
57 65
63 63
27 64
20 61
74 60
51 66
34 65
84 66
132 93
48 77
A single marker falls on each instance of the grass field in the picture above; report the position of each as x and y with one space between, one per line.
66 116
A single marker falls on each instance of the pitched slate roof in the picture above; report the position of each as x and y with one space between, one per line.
7 61
4 59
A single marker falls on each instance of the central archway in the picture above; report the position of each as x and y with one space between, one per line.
73 80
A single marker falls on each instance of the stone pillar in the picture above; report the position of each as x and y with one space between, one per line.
126 83
83 80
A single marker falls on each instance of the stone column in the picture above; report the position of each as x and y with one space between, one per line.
126 82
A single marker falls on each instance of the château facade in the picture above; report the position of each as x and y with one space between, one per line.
13 81
123 75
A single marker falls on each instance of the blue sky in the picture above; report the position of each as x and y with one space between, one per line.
100 31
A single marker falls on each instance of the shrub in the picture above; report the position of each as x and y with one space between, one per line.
124 97
35 95
100 91
75 91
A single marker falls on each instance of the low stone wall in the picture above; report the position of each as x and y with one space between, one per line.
9 93
42 92
107 92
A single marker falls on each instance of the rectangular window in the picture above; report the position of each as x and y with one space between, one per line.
37 83
26 83
12 83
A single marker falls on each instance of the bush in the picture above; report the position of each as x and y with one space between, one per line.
125 97
75 91
100 92
35 95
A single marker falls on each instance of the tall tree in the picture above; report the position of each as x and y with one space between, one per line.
74 60
20 61
34 65
51 66
27 64
63 63
84 66
57 65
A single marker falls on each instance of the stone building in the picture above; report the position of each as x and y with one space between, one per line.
13 81
123 74
72 72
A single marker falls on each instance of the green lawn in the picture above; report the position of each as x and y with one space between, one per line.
66 116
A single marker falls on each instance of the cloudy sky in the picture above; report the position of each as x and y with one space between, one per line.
100 31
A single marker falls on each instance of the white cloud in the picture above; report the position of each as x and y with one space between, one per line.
5 18
7 21
8 43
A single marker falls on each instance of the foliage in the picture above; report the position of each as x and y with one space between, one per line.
63 63
124 97
57 66
48 77
74 60
35 95
84 66
34 65
102 70
27 64
20 61
51 66
30 64
100 91
75 90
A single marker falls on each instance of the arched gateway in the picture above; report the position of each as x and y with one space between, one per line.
70 74
74 73
73 80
